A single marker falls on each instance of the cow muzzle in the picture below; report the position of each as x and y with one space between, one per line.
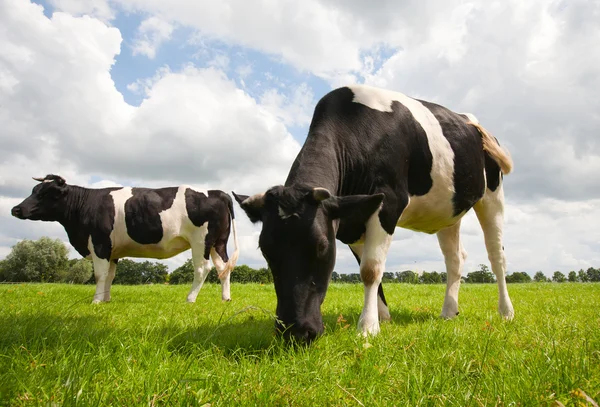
17 212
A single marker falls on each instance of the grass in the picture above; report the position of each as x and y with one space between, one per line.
149 347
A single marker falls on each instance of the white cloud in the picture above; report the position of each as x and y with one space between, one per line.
151 34
100 9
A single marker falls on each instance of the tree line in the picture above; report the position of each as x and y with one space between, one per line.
46 260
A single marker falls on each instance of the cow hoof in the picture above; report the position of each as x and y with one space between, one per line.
96 301
449 315
368 328
191 301
506 310
226 299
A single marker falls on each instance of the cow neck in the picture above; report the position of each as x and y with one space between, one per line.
76 203
328 164
316 165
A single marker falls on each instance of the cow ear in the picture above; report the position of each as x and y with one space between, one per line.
354 208
320 194
252 205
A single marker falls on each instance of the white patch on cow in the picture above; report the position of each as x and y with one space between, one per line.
471 117
433 211
372 265
454 256
490 213
283 214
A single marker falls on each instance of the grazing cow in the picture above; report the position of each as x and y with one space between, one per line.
373 160
110 223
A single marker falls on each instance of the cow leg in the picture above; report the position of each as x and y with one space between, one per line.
223 272
454 256
372 266
490 212
382 308
112 269
201 270
101 271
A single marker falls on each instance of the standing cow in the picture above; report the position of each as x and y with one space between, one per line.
110 223
373 160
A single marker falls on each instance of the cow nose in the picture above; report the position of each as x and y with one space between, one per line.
16 212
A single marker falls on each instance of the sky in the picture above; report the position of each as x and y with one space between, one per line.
219 95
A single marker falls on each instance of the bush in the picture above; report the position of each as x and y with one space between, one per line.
518 277
43 260
483 275
80 272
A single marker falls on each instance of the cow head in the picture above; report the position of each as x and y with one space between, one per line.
45 200
298 242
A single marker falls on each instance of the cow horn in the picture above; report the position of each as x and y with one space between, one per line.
38 179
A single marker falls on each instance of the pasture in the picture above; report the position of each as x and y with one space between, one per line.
149 347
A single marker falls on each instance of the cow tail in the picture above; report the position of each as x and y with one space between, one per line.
236 252
493 148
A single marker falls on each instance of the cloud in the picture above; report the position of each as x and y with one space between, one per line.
100 9
151 33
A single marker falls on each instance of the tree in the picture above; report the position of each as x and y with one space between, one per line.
183 274
593 274
387 277
518 277
430 278
540 277
43 260
582 275
572 277
407 276
559 277
335 277
483 275
132 272
80 271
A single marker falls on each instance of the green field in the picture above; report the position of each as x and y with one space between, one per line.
149 347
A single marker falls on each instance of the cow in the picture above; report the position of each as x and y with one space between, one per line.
373 160
107 224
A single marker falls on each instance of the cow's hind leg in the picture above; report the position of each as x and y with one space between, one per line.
490 212
382 307
454 256
219 257
112 269
101 273
201 270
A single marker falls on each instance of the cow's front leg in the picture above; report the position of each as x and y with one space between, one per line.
372 265
112 269
382 308
101 273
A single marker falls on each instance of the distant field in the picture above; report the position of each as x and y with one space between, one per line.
149 347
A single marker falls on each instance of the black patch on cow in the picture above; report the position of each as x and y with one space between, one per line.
216 209
380 293
493 173
142 213
465 141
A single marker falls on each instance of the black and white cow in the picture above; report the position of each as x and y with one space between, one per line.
111 223
374 160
